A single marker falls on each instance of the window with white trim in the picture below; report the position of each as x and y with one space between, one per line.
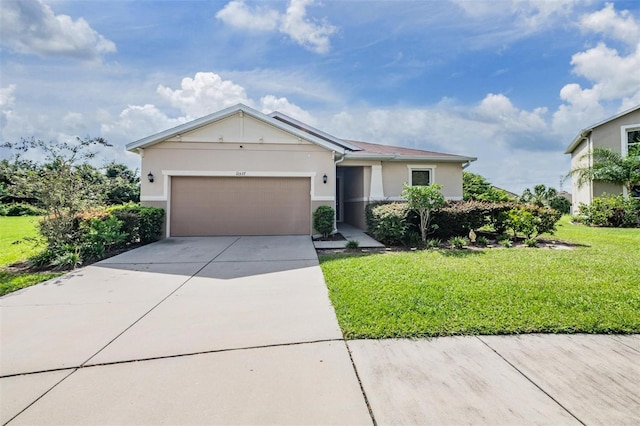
421 174
633 148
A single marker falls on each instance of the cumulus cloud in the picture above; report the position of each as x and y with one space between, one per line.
618 25
270 103
504 137
237 14
312 34
197 96
31 27
614 76
203 94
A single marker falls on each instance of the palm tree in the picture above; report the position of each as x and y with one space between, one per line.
608 166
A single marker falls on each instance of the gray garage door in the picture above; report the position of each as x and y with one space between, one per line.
240 206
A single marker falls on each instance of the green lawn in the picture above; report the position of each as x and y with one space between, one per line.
12 230
593 288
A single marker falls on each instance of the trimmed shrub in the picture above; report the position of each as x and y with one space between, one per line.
388 222
352 244
459 217
611 211
531 220
323 219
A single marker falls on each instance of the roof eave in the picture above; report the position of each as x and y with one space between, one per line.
211 118
582 135
379 157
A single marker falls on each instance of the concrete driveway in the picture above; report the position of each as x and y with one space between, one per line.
226 330
240 330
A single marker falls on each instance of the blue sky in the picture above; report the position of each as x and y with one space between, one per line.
509 82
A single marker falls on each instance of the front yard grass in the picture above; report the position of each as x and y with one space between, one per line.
13 230
593 288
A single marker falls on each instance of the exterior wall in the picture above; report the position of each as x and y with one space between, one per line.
357 178
236 146
580 194
610 135
449 175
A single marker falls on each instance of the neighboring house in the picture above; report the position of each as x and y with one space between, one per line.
617 133
241 172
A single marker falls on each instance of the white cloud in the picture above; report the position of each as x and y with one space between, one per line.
237 14
505 138
31 27
526 14
7 96
614 76
270 103
311 34
618 25
201 95
204 94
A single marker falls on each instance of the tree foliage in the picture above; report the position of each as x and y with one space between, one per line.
608 166
543 196
476 187
424 200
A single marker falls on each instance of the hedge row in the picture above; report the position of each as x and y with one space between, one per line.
394 224
95 234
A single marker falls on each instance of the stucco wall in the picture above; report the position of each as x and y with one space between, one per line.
449 175
580 194
610 135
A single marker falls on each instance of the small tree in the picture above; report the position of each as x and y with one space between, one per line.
323 219
424 200
64 186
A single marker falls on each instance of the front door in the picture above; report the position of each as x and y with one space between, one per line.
338 199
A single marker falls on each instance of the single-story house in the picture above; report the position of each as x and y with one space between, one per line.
617 133
241 172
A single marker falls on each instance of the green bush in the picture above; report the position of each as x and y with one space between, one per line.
91 235
100 236
458 242
141 224
482 241
352 244
457 218
531 220
611 211
387 223
20 209
323 219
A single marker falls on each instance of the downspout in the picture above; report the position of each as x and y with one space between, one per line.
335 201
465 165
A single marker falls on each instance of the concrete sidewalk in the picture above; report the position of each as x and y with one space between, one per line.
240 330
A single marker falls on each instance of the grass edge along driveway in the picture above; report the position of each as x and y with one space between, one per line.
13 230
591 289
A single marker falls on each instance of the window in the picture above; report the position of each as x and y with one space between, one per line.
633 148
420 177
421 174
633 141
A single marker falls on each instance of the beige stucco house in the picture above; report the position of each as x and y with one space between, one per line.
241 172
617 133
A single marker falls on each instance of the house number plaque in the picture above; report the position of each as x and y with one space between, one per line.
241 173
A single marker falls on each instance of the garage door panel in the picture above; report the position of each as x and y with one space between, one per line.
240 206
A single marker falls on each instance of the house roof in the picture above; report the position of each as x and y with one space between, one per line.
348 148
582 134
312 130
227 112
376 151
